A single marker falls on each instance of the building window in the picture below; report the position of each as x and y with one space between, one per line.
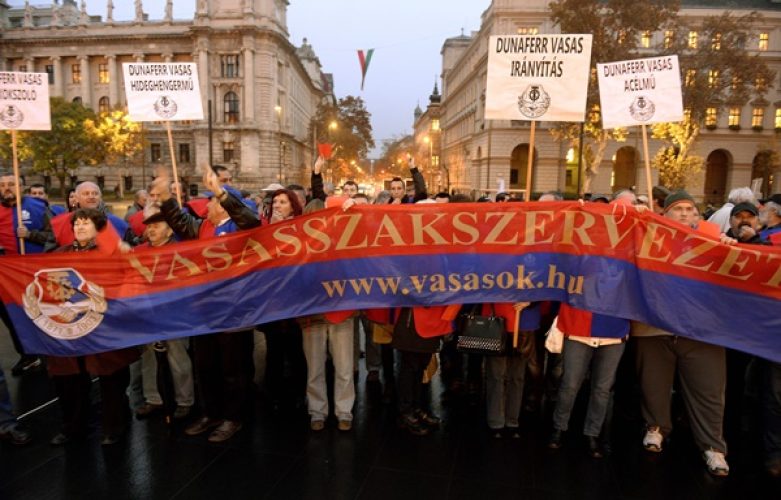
715 42
621 37
691 77
669 38
101 182
128 182
50 73
434 160
156 152
764 41
75 73
757 118
760 83
734 117
710 118
435 124
184 153
77 100
528 30
230 66
103 105
713 78
645 39
231 103
228 151
692 39
737 82
103 73
777 121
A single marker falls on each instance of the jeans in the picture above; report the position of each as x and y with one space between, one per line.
181 373
578 358
504 389
339 340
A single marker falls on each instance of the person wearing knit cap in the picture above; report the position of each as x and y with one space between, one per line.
701 368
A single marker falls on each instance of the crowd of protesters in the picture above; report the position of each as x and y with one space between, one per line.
208 379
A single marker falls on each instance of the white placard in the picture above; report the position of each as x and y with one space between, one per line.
538 77
640 92
24 101
162 91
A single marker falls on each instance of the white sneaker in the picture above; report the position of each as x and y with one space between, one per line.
717 464
653 440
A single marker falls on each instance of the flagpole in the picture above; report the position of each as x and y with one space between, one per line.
530 163
173 162
19 220
647 167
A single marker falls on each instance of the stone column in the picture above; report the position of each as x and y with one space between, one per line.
113 80
59 77
29 62
86 87
249 85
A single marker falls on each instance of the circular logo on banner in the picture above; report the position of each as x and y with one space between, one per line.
642 109
63 304
534 101
165 107
11 116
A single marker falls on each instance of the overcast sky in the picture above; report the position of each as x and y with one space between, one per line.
407 36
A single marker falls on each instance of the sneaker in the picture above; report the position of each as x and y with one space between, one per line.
202 425
16 433
225 431
317 425
653 440
146 410
412 424
26 364
345 425
717 464
554 442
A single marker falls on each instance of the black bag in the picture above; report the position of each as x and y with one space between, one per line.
482 334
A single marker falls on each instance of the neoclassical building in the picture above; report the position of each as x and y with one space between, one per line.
481 155
263 90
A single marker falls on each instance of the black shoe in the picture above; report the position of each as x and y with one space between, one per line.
111 439
554 443
412 424
18 434
26 364
594 448
60 440
428 420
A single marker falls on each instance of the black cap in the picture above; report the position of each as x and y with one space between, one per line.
776 198
744 207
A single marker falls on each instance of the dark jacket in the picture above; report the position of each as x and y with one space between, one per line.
756 240
420 187
188 227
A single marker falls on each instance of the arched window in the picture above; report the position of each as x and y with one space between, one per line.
77 100
231 104
103 105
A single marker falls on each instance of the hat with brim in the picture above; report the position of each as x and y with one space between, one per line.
776 198
154 217
744 207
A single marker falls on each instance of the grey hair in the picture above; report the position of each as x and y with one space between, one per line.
773 207
742 195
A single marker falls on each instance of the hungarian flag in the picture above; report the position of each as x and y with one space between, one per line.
365 59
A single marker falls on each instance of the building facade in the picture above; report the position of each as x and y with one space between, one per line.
262 90
487 155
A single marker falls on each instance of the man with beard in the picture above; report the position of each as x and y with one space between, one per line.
770 217
744 224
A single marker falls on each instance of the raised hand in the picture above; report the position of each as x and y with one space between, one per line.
210 181
319 163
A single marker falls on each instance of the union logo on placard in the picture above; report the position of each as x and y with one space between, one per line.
166 107
642 109
534 101
63 304
11 116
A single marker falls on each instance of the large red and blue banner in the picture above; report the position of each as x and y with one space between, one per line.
601 258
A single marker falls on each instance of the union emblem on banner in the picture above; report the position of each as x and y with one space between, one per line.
63 304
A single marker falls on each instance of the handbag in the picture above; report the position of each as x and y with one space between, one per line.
482 334
554 339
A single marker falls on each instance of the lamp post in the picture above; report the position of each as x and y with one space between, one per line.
278 110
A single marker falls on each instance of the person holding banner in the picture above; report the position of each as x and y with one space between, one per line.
223 361
72 375
770 216
701 367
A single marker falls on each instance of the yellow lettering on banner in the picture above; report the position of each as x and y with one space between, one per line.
776 279
184 263
287 240
731 261
388 230
689 255
344 240
148 274
652 241
570 229
613 234
471 230
223 256
471 282
504 220
533 227
251 247
418 229
317 235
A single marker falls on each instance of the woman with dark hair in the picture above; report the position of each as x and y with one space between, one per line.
71 200
284 340
72 375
